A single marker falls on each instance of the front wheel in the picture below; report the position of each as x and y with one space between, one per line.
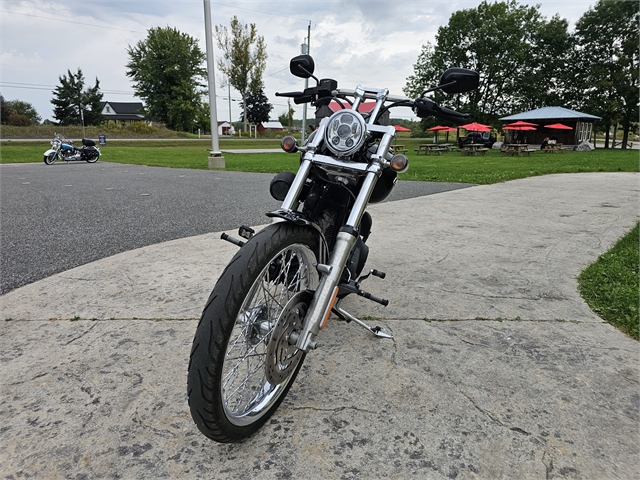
242 364
51 158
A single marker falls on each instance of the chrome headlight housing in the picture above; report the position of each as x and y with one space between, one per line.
346 132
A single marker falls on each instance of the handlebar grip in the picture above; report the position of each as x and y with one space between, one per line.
425 107
289 94
451 115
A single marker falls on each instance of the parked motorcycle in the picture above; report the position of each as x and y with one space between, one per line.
67 152
278 291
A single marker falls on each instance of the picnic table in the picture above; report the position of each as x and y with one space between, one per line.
517 149
553 148
427 148
399 149
473 148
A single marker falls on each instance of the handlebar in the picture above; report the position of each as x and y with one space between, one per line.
423 107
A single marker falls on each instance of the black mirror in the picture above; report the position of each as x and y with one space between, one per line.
459 80
302 66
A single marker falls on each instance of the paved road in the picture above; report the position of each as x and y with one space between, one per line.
61 216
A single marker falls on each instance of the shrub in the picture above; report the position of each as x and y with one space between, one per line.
18 120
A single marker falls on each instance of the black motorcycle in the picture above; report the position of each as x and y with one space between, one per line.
280 288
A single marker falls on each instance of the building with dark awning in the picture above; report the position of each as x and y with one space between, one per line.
581 125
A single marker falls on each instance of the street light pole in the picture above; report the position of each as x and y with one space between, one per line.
216 160
306 48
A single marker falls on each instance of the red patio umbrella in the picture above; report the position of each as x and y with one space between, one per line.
558 126
518 127
520 123
400 128
476 127
441 128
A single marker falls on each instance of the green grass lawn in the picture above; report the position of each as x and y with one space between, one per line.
449 167
610 285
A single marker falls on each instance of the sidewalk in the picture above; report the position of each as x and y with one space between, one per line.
498 369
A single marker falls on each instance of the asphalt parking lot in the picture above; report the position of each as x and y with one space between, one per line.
56 217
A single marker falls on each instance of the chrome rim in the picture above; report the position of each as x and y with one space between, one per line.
246 393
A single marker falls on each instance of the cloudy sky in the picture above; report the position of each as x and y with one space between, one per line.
373 42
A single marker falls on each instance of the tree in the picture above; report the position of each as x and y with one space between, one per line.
24 109
4 111
244 58
518 54
286 118
167 72
72 101
606 54
256 109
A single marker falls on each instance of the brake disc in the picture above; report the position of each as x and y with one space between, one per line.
282 358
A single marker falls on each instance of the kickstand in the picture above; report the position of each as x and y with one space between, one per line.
377 331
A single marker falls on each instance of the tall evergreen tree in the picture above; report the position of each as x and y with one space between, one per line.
167 73
257 107
72 101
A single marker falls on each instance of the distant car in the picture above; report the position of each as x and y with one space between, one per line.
485 138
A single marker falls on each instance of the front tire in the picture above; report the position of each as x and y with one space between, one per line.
242 365
51 158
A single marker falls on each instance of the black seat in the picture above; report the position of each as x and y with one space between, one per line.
88 142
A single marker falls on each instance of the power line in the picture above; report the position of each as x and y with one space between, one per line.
70 21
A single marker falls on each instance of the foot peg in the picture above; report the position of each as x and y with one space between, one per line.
243 231
377 331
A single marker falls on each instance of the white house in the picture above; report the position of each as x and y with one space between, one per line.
126 112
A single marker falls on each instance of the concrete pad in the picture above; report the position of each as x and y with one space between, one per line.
541 388
107 399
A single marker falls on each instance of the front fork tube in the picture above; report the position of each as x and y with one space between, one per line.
332 272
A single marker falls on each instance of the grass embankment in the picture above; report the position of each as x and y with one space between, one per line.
449 167
610 285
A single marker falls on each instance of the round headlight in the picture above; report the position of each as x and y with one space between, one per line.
345 132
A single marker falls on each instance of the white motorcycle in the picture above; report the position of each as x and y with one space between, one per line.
278 291
67 152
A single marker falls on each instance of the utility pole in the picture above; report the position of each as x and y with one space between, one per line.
306 48
229 85
216 160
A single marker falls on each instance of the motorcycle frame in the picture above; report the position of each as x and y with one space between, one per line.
331 273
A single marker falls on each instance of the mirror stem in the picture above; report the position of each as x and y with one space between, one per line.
433 89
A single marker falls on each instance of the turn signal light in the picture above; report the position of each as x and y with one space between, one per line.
289 144
400 163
